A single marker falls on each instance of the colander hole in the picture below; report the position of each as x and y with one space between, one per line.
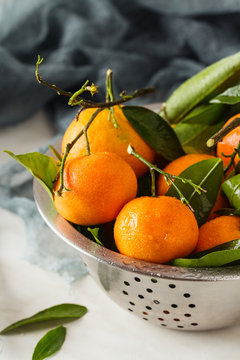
130 310
141 296
149 290
148 307
161 319
137 279
126 283
145 313
187 315
172 286
186 295
163 325
166 312
156 302
154 281
176 319
131 303
174 305
125 292
180 326
192 305
194 324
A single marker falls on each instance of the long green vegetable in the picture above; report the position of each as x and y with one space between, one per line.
200 88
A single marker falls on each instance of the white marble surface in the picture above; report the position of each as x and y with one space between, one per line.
106 331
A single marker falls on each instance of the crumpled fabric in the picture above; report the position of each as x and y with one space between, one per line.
157 43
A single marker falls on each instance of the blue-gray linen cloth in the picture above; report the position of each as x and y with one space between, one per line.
145 42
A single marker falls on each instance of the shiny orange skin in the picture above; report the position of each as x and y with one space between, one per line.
218 231
156 229
175 167
103 136
101 184
228 143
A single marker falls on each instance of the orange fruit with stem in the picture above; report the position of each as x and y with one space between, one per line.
100 185
177 166
218 231
103 136
155 229
228 143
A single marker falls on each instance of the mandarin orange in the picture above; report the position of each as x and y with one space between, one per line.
156 229
218 231
228 143
103 136
100 185
177 166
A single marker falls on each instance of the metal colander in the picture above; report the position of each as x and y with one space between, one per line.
167 296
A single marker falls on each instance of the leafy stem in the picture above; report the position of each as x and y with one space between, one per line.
168 177
78 100
70 145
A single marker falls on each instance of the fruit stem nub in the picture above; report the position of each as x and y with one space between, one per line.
223 132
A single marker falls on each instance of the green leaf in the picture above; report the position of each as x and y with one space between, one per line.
42 167
56 153
94 233
231 187
105 234
218 256
208 174
50 343
230 96
155 131
198 126
203 86
58 312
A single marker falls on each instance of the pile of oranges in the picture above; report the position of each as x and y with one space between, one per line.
102 187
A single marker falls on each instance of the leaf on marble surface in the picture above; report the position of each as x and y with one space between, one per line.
57 312
50 343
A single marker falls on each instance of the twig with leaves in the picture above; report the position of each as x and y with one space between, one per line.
169 178
77 100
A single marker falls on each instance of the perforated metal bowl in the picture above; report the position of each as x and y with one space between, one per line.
167 296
